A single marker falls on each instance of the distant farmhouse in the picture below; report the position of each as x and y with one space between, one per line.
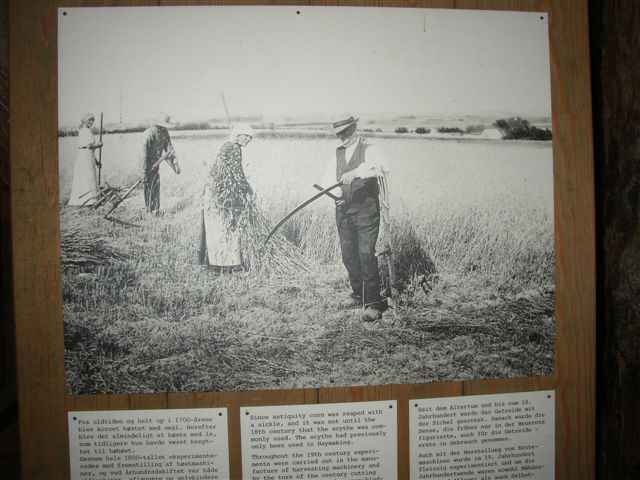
493 133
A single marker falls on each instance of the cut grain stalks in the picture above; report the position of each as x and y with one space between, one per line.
82 249
276 257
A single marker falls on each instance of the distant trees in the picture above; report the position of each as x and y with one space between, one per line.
68 132
420 130
449 130
513 128
475 129
516 128
204 125
193 126
133 129
73 131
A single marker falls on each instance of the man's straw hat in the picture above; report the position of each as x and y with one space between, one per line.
343 122
164 120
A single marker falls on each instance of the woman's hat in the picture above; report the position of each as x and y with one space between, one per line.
343 122
164 120
241 128
86 117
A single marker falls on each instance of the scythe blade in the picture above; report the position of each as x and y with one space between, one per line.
300 207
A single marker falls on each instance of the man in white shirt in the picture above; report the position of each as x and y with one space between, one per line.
357 164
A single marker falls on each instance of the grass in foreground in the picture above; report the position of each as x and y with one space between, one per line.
146 318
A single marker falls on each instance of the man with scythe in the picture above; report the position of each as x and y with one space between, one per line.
156 146
359 170
358 164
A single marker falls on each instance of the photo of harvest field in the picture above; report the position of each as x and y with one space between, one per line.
140 315
464 122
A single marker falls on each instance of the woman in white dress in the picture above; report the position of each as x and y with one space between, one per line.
84 189
226 195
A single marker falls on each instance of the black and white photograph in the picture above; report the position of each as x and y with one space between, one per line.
260 198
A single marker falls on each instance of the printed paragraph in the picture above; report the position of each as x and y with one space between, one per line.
328 441
484 437
186 444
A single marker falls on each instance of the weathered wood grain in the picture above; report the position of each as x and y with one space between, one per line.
7 335
35 233
141 401
575 241
617 30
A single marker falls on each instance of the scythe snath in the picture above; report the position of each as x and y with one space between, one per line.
385 220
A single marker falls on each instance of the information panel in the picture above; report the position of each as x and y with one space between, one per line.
330 441
486 437
185 444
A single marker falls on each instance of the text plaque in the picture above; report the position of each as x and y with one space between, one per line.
335 440
144 444
483 436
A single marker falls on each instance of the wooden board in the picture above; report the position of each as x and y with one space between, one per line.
36 262
613 27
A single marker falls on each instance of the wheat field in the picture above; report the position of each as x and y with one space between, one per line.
141 316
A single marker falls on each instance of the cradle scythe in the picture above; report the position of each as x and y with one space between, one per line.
300 207
169 156
100 152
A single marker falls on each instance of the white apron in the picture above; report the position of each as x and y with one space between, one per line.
84 188
223 246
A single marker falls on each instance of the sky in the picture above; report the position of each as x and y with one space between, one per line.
277 62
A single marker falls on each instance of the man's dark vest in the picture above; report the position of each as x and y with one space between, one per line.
362 191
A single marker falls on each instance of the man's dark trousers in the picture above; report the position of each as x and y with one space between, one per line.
152 191
358 233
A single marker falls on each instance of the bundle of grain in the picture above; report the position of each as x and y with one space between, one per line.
81 249
413 264
278 256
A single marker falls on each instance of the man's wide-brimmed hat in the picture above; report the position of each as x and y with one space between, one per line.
164 120
343 122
